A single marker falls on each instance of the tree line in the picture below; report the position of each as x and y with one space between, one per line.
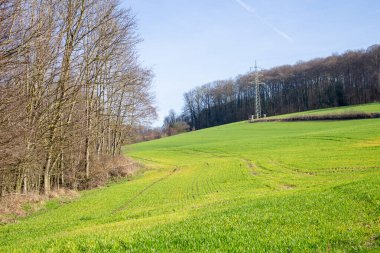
346 79
71 90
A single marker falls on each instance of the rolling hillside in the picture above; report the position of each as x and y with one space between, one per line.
364 108
281 186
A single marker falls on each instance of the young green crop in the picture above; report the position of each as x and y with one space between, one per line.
282 186
366 108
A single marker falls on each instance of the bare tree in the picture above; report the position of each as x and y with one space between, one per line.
71 89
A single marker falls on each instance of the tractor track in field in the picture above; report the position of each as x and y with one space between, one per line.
137 195
251 166
292 168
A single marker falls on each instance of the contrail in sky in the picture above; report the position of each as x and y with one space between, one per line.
275 29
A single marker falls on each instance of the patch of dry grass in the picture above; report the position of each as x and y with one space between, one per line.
15 206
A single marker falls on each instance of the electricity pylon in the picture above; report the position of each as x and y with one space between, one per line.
257 91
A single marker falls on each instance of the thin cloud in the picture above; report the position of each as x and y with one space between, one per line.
274 28
246 6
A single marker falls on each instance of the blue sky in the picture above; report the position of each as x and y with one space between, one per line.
188 43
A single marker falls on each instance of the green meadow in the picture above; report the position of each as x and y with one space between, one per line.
366 108
265 187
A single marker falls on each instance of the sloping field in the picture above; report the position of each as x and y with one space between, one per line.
364 108
283 187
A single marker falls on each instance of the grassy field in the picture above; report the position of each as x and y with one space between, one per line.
367 108
281 186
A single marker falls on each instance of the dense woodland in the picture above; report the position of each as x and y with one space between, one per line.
347 79
71 90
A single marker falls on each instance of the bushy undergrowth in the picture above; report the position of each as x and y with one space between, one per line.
104 170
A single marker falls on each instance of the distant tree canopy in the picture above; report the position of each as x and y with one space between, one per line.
347 79
174 124
71 90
